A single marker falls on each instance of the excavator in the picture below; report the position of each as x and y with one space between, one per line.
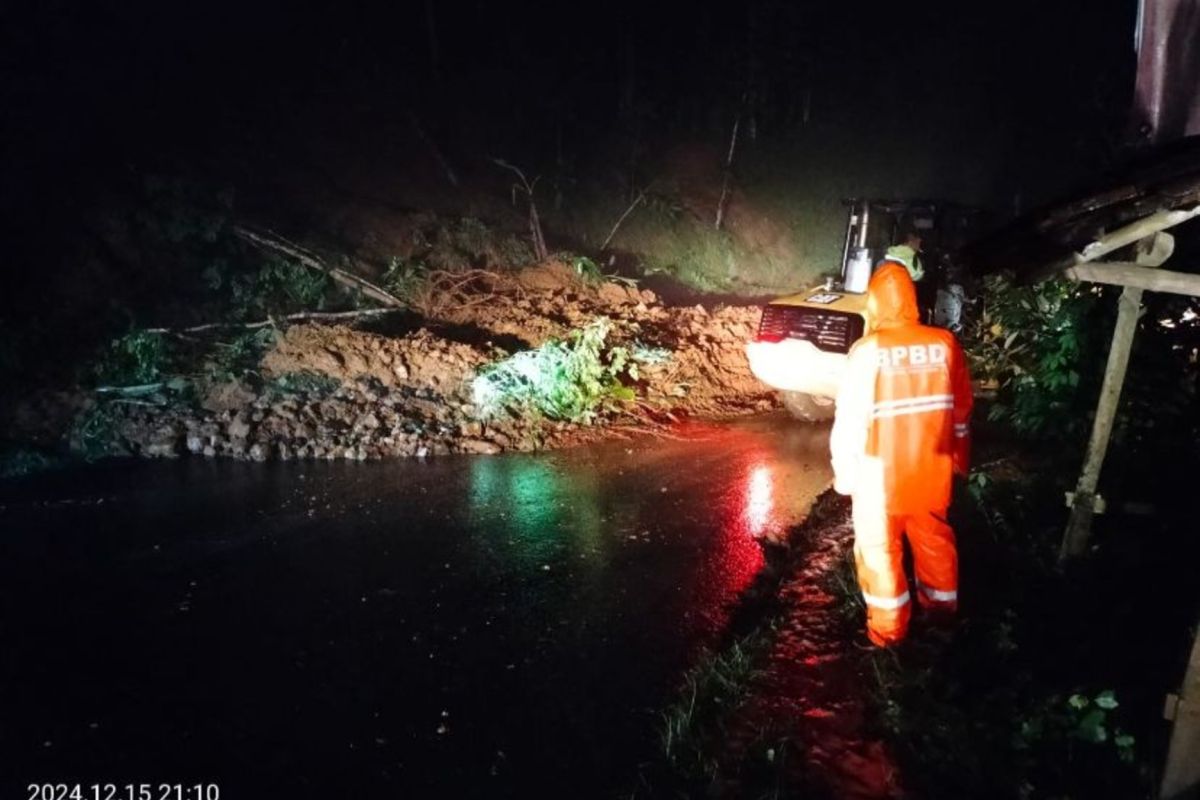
802 341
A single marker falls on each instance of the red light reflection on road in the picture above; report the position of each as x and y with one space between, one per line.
759 499
745 512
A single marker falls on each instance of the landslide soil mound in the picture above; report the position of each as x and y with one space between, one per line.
401 385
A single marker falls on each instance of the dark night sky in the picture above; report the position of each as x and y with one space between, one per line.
1031 85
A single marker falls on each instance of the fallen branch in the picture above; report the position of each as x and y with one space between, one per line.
130 391
300 316
535 224
733 138
266 240
641 196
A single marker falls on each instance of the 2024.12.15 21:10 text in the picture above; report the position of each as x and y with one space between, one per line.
123 791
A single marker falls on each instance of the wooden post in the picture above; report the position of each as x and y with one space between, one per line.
1080 525
1181 775
1123 273
1151 251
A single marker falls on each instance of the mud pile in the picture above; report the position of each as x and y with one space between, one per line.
340 391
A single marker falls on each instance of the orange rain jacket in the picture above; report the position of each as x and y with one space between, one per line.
903 405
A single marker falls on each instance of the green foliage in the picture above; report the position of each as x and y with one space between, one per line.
404 278
667 207
95 432
278 286
969 735
1159 418
231 360
587 269
1062 723
712 689
1035 342
456 244
562 380
138 357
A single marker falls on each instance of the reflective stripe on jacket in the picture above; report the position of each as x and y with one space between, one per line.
904 404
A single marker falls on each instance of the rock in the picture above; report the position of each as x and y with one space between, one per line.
502 440
471 429
210 451
258 451
228 396
284 452
195 443
614 294
239 427
161 449
481 446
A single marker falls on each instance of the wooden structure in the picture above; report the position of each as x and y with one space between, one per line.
1181 774
1152 250
1135 208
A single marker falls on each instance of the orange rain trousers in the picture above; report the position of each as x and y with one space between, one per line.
879 555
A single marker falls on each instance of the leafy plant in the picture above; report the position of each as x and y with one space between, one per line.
1078 718
138 357
404 277
279 286
233 359
587 269
562 380
1035 343
96 431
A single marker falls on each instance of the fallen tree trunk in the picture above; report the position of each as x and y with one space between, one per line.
266 240
301 316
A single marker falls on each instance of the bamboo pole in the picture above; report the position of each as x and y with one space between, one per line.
1181 775
1126 273
1139 231
1151 251
1080 524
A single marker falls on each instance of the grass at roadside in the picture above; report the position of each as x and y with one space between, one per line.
1036 693
697 727
1050 685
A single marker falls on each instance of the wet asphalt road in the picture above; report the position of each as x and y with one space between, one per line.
463 626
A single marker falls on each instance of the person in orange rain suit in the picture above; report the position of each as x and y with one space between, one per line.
901 429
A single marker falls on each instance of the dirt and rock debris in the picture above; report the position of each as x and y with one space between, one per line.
374 388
